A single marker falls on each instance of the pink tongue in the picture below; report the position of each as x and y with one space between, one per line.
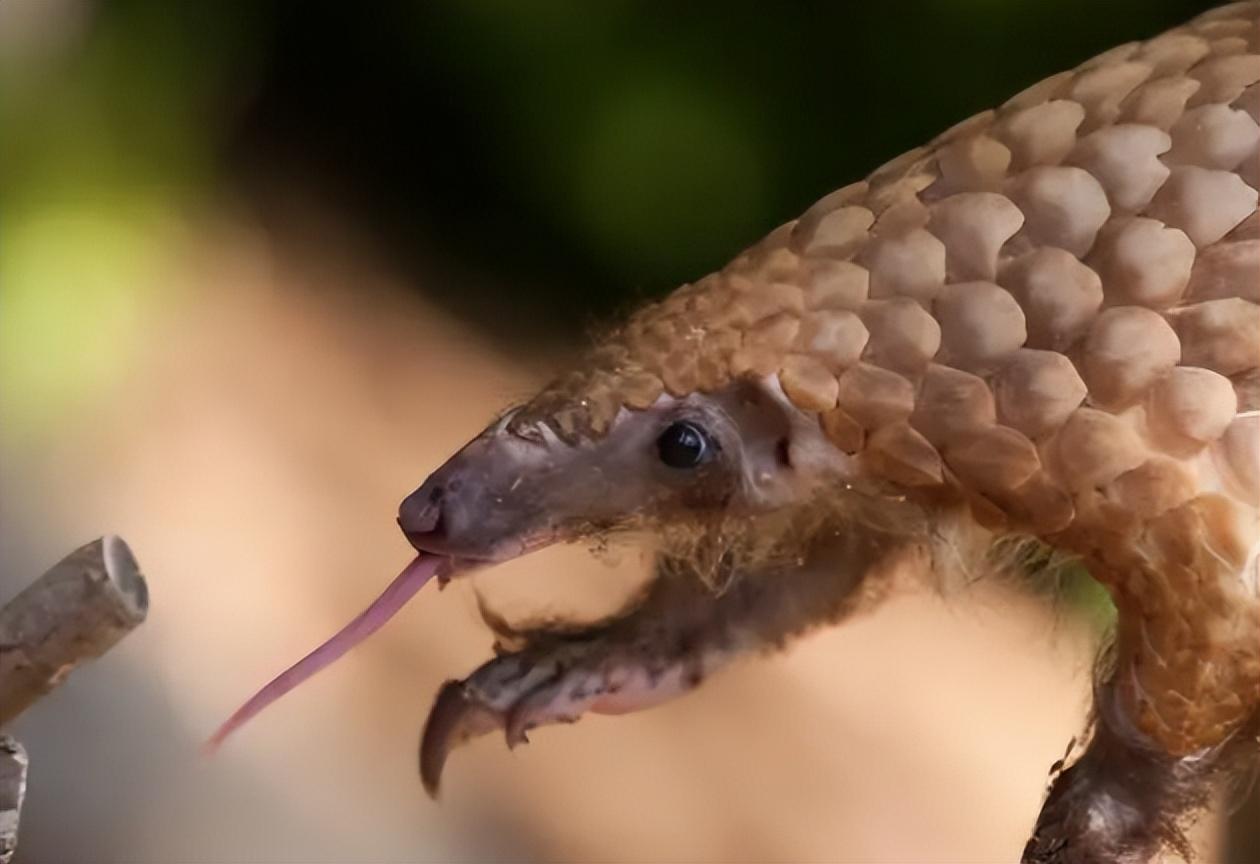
403 588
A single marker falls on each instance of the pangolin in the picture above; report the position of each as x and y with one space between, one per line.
1042 326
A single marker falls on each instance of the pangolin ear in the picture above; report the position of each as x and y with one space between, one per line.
780 445
754 428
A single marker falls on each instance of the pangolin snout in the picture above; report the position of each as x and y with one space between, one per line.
477 506
422 518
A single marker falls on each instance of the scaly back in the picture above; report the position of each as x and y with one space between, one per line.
1051 311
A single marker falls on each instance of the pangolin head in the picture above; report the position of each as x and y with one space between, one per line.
700 409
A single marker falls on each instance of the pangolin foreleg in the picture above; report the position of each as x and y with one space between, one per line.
679 632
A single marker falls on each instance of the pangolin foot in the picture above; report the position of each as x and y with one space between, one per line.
556 680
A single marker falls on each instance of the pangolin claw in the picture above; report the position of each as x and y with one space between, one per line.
457 716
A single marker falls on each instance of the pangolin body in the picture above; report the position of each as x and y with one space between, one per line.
1050 311
1043 324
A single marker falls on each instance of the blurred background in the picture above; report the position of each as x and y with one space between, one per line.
263 265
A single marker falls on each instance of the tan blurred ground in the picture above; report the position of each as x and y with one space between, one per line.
254 456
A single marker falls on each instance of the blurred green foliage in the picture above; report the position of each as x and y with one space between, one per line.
103 140
588 154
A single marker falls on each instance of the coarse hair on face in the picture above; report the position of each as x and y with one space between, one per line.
768 488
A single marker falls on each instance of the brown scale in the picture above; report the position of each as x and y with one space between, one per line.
1050 306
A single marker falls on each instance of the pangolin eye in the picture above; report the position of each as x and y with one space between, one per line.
683 445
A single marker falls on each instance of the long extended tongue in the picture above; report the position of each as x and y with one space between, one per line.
403 588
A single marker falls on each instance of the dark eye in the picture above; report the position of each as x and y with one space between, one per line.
683 445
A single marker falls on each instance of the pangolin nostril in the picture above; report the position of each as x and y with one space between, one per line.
421 511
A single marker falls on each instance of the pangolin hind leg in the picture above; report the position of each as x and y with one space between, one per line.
1125 798
1181 705
676 634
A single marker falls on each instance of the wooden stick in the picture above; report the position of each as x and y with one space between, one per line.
12 791
74 612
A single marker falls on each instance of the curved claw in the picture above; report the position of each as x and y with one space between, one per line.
456 717
548 703
514 693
